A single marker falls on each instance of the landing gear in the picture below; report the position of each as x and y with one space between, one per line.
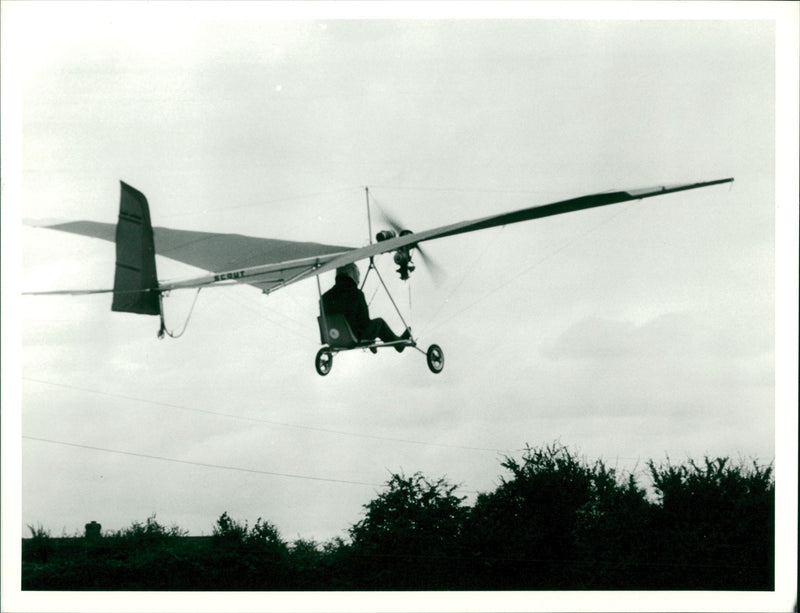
324 361
435 357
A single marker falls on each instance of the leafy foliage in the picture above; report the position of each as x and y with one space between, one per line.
411 533
150 531
40 544
229 532
613 532
718 519
524 529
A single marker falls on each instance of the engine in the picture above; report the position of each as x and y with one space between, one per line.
385 235
402 257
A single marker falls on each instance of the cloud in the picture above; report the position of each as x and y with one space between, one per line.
689 335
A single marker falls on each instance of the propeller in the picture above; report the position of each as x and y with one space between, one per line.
435 269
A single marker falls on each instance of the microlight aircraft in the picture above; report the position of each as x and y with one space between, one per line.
271 264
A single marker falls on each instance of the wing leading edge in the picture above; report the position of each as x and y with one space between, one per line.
271 264
535 212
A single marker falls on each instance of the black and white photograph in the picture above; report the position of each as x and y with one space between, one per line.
421 306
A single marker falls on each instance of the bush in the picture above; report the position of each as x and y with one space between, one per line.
554 522
718 520
613 533
522 533
410 535
149 532
40 545
229 532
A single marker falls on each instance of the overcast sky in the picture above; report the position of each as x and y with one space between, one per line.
639 331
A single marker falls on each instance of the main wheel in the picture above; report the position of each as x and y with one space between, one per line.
435 357
324 361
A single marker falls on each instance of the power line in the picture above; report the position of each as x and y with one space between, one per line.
203 464
302 426
508 451
262 420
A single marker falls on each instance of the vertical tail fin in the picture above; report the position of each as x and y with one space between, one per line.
135 279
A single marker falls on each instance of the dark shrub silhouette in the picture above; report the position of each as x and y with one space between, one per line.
40 545
247 559
613 533
714 526
410 537
521 535
554 522
229 532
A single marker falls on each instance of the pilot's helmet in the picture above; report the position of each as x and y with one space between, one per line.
349 270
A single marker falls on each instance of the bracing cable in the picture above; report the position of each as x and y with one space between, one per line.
410 306
568 243
388 293
364 281
442 303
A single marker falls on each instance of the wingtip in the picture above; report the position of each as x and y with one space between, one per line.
729 180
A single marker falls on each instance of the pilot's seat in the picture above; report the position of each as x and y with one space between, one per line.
336 333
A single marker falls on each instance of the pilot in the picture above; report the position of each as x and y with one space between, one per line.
345 298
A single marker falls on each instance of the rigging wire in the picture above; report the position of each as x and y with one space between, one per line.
246 299
465 273
375 293
410 307
391 298
623 209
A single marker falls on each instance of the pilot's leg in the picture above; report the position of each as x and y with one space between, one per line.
380 329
